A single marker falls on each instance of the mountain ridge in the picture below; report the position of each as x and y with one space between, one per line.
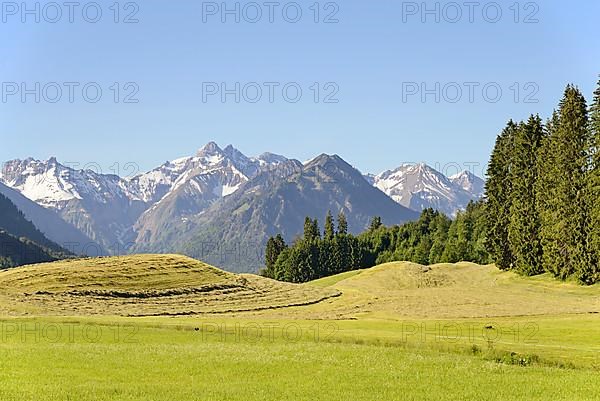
158 209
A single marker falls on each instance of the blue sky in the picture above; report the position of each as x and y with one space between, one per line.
372 58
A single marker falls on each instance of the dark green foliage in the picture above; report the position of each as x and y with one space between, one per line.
546 196
311 229
498 191
564 228
466 237
543 187
329 228
375 223
275 246
424 241
592 274
523 222
342 224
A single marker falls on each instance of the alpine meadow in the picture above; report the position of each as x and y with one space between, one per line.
274 262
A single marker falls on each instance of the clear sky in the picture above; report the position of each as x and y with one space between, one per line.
372 61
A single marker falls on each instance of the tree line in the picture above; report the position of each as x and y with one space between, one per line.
543 187
433 238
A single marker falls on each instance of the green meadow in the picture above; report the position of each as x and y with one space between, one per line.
104 329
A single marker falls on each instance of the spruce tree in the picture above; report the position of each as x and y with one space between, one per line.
315 229
523 224
592 274
568 230
498 192
329 232
342 224
308 225
311 229
547 204
375 223
275 245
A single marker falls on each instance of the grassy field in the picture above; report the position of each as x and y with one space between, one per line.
106 329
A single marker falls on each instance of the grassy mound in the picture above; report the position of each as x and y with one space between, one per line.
409 290
144 285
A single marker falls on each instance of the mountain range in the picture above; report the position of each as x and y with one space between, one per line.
219 204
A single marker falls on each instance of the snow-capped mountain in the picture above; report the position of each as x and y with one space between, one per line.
99 205
52 184
236 168
111 210
158 209
418 186
470 183
195 184
52 225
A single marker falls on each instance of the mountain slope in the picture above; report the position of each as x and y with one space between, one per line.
211 175
99 205
52 225
21 251
232 233
21 242
470 183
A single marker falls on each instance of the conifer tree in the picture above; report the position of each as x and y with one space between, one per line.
545 189
498 192
275 245
315 230
566 230
329 232
440 237
592 274
375 223
524 225
342 224
311 229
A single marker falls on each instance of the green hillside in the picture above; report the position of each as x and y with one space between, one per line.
463 290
